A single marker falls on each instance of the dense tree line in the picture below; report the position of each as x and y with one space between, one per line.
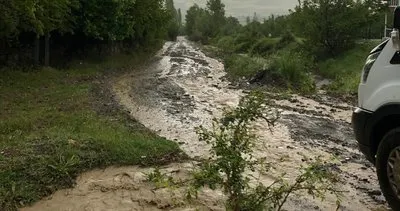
27 26
334 25
330 26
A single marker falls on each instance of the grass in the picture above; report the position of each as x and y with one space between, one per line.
293 69
345 70
275 62
52 129
280 56
242 66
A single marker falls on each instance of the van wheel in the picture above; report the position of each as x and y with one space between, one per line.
388 167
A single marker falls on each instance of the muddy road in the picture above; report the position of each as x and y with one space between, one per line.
183 89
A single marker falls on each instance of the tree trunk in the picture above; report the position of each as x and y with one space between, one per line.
47 50
36 51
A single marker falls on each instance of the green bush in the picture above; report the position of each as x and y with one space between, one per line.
172 31
294 68
243 43
285 40
198 36
239 66
264 46
232 155
226 43
345 70
345 84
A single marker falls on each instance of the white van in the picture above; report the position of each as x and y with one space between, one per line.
376 120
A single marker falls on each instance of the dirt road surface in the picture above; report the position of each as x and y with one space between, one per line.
183 89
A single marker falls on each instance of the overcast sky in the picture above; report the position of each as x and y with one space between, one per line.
239 8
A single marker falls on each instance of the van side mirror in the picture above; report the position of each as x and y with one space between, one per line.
396 20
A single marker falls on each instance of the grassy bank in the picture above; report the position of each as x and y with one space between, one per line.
274 62
285 63
55 124
345 69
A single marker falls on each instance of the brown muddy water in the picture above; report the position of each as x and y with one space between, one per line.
183 89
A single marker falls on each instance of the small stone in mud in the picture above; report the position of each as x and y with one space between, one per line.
364 180
379 199
346 160
290 147
374 192
333 110
216 86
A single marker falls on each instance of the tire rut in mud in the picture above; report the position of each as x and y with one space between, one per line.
336 138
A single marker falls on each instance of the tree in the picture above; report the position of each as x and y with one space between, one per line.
108 20
329 25
217 8
174 23
136 22
248 20
198 26
180 17
217 11
374 11
53 15
255 17
231 26
39 17
8 19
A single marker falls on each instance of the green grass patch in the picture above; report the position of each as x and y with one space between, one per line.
50 131
345 70
291 69
242 66
264 46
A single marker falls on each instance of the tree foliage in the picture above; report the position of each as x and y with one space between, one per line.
333 26
39 17
175 22
202 24
107 20
129 21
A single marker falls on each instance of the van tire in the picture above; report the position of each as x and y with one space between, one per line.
389 142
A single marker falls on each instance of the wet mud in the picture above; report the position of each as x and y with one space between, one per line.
183 89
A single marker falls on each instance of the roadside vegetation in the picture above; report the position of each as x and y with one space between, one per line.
234 169
232 157
345 69
325 38
58 117
57 123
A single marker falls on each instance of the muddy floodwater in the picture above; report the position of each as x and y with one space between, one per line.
182 89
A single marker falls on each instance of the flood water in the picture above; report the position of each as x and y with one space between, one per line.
181 89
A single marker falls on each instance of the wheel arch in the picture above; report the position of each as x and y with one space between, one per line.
382 121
